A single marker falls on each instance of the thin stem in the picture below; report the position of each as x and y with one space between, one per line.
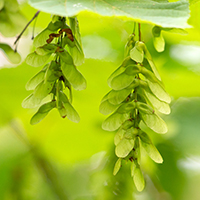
34 28
19 36
134 28
136 110
139 30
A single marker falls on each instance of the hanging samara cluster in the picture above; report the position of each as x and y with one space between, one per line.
61 45
137 95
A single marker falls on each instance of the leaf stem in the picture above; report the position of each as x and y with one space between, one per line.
134 28
19 36
139 31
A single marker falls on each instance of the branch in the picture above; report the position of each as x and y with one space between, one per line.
19 36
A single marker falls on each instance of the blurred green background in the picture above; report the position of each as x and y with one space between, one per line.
58 159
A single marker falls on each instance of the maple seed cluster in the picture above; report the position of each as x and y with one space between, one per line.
137 95
59 51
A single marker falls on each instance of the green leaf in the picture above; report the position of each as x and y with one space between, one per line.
124 147
154 122
175 30
161 106
75 78
150 148
42 112
162 13
137 52
12 21
159 91
12 56
114 121
36 60
11 5
117 166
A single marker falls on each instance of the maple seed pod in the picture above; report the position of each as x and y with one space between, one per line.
59 74
137 92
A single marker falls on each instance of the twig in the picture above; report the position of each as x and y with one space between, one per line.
139 30
19 36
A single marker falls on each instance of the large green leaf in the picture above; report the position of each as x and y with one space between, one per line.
162 13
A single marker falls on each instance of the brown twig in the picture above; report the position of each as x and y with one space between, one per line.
19 36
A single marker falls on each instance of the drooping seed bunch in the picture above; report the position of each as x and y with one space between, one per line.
137 95
61 45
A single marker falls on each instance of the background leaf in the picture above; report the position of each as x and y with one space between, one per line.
13 56
161 13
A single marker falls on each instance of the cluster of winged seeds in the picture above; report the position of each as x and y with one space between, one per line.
137 96
59 44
